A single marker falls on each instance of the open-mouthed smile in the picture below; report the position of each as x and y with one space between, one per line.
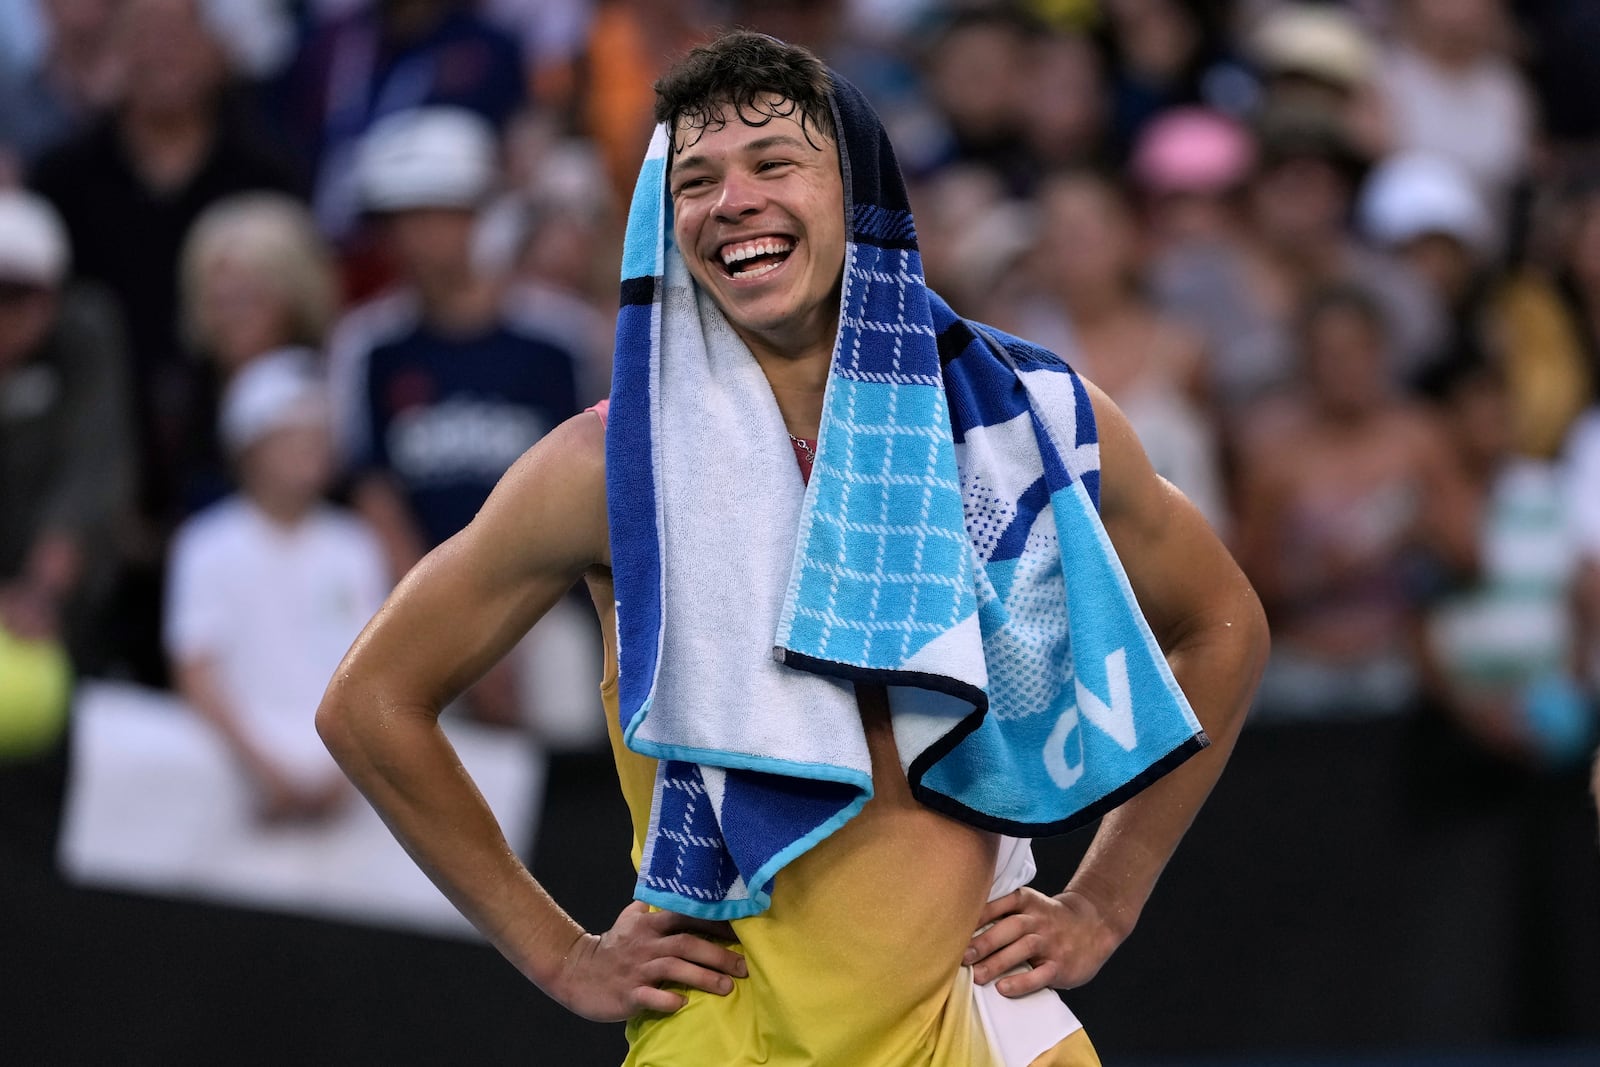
755 256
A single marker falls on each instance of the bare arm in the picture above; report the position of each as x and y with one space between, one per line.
1210 624
456 613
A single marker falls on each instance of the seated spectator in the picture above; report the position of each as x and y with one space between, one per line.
1319 57
1450 88
1242 292
128 189
1089 306
1190 166
1503 651
268 589
1164 54
66 462
1067 114
445 381
381 58
48 94
256 278
1425 210
1352 500
974 80
1544 322
547 230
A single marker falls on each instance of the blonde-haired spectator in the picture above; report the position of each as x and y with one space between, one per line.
255 276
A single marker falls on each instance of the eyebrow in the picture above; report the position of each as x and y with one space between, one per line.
760 144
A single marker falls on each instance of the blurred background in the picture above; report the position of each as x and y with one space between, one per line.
286 285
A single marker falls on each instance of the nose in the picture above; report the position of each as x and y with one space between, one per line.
741 196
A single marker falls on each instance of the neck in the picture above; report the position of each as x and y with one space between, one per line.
167 146
798 385
284 510
462 304
1452 56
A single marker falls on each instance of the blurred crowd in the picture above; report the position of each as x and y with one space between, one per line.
286 285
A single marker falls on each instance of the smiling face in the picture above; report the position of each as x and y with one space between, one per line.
758 213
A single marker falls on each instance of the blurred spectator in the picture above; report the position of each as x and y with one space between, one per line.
385 57
66 465
268 589
47 94
1066 113
1320 59
256 277
1190 166
443 382
974 78
1089 306
626 51
1242 292
974 240
1544 329
130 188
549 231
1425 210
1451 89
1164 54
1352 498
551 33
1503 650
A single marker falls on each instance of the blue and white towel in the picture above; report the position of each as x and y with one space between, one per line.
948 546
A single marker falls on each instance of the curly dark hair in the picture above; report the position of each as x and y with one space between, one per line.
744 71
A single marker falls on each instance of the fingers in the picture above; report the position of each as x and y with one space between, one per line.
1029 981
696 949
1001 934
678 971
649 998
1012 954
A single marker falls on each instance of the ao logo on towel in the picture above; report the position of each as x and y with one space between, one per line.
1063 752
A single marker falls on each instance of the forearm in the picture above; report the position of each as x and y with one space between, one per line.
1218 669
401 761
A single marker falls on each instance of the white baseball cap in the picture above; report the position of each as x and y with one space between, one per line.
33 242
279 390
1414 194
426 157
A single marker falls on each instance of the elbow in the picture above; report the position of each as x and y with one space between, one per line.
334 723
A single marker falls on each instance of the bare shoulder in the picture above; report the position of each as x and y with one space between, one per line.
552 502
1129 486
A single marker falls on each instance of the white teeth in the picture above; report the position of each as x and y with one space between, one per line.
761 246
756 272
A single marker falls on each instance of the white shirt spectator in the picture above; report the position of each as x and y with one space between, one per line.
1480 118
274 609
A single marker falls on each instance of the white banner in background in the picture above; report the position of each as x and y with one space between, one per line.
156 804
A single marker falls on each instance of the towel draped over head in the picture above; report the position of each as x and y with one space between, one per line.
947 546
